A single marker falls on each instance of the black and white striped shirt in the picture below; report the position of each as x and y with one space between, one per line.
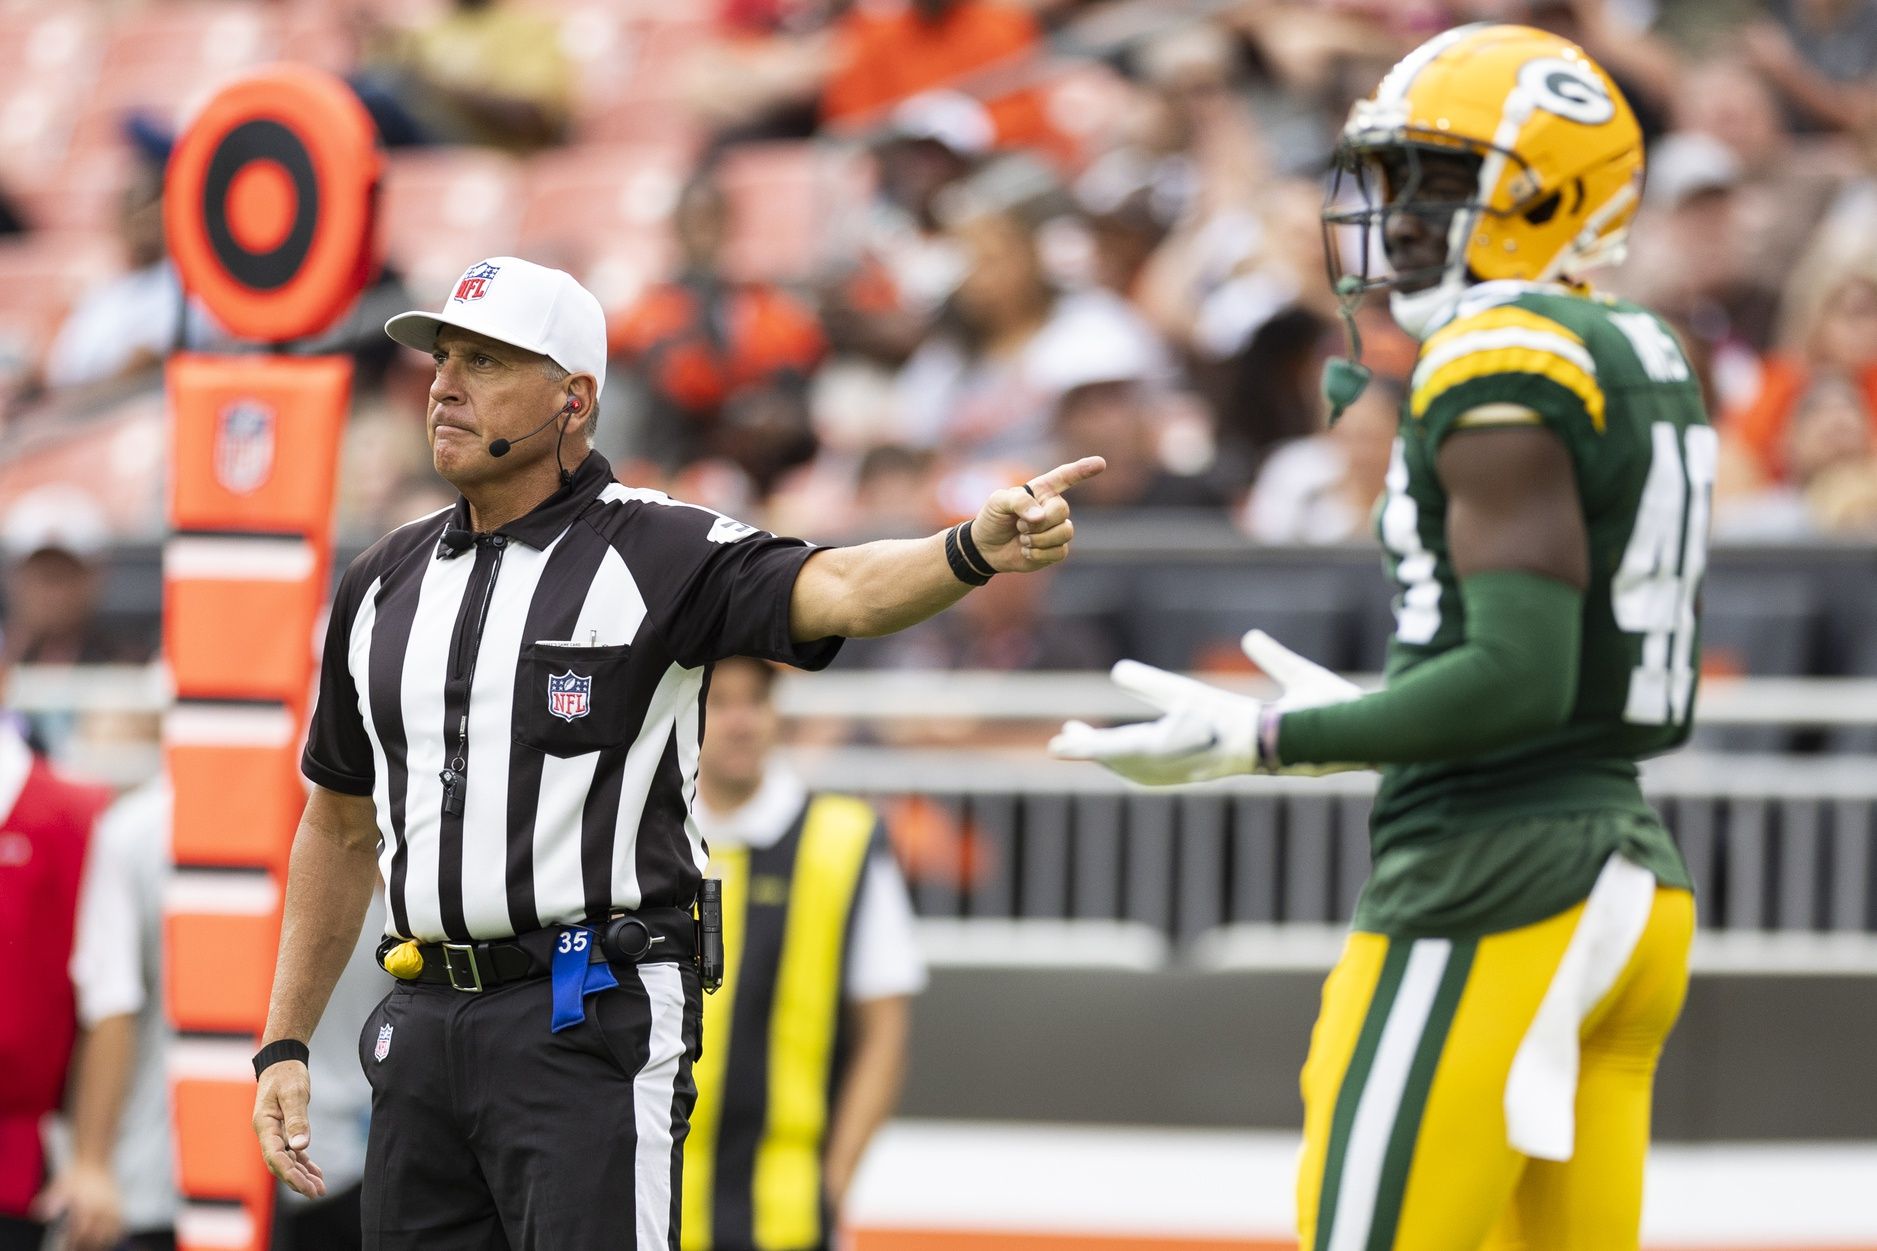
525 707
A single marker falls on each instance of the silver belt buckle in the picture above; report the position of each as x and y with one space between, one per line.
467 950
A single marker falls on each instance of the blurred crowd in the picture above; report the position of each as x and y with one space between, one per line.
862 258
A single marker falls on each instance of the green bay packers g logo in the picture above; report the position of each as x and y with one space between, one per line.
1559 86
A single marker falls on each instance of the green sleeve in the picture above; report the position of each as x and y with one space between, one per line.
1514 676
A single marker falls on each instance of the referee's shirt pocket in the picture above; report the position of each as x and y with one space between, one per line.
575 697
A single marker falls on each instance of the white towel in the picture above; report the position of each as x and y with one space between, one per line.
1541 1090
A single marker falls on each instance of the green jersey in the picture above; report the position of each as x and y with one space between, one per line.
1611 380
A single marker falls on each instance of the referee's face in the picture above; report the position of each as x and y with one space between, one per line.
486 390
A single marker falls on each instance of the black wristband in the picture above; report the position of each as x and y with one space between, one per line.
972 554
962 568
278 1050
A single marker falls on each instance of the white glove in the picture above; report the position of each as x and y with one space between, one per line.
1306 684
1205 733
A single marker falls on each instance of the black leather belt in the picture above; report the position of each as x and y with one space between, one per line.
650 936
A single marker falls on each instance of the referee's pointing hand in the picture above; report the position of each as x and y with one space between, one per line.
1025 528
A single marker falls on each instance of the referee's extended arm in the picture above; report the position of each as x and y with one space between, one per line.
878 588
329 886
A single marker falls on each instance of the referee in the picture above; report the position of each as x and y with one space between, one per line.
508 722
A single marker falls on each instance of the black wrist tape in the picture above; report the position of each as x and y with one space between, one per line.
962 568
972 554
278 1050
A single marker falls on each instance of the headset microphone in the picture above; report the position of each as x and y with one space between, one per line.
500 447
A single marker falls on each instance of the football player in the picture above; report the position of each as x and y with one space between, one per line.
1481 1070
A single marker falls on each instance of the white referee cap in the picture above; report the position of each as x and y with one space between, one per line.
524 305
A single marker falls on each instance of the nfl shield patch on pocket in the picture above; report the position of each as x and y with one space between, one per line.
383 1048
567 694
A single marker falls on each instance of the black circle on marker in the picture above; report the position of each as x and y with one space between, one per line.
253 141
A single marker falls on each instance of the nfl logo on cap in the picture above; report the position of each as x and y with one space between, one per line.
383 1048
474 283
567 695
522 304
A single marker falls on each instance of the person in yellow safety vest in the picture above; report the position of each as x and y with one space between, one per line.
805 1044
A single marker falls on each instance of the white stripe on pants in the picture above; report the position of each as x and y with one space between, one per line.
653 1089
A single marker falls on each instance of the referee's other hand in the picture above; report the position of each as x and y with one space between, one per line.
280 1124
1020 531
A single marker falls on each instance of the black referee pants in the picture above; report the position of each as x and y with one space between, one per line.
489 1133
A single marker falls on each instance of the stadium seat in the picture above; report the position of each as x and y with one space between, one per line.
168 58
634 119
49 59
604 211
318 35
37 118
666 44
616 270
225 36
407 13
634 90
440 208
86 194
574 195
599 38
50 39
43 274
782 198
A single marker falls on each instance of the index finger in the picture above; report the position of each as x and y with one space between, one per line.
1062 477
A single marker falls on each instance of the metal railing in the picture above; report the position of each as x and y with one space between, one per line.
1773 842
981 696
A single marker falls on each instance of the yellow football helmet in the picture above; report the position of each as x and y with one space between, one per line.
1559 166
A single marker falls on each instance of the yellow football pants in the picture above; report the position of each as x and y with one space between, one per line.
1406 1088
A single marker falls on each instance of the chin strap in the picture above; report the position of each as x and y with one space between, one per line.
1346 377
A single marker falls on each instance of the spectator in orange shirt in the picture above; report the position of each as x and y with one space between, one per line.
1829 325
723 365
884 55
761 78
